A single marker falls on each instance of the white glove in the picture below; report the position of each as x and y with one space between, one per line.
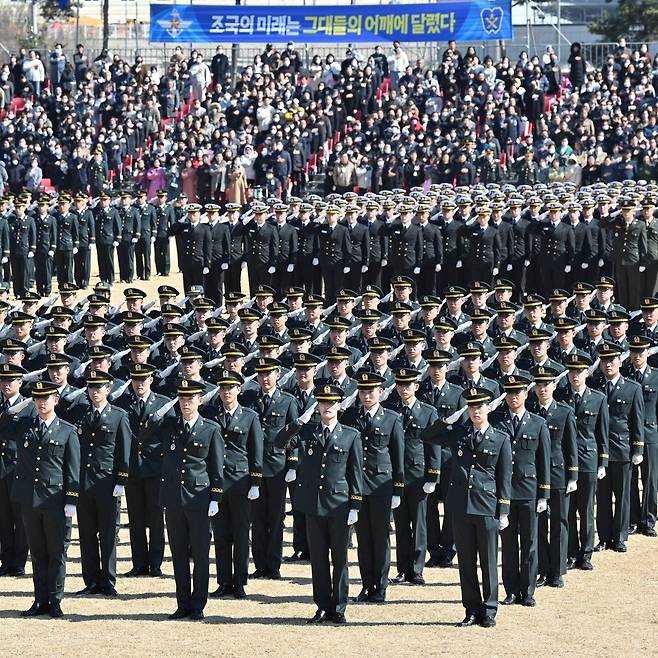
119 490
438 267
153 239
225 266
69 511
572 485
458 264
526 262
429 487
364 269
291 475
642 268
637 459
346 270
243 265
271 270
352 517
384 262
6 260
600 262
30 254
509 267
290 268
115 244
395 502
306 416
600 473
541 505
213 508
206 270
254 493
134 240
51 253
567 269
75 250
315 262
584 266
494 271
503 522
416 270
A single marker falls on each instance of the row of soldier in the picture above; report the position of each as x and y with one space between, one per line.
357 409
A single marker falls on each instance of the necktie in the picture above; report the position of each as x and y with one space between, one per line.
97 416
42 430
325 434
266 403
186 430
227 419
638 376
608 388
542 412
577 399
515 423
140 406
478 438
406 414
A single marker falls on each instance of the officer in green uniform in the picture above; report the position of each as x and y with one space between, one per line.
626 435
531 466
422 467
592 421
382 437
191 488
561 424
46 488
104 435
329 492
479 497
243 473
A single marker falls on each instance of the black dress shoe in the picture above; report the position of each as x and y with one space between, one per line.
445 562
585 565
469 620
16 573
397 579
109 591
433 562
619 547
35 610
55 611
556 582
319 617
510 599
416 579
258 574
135 571
274 575
601 546
238 592
488 622
155 572
222 590
541 581
3 571
571 563
632 529
528 601
197 615
363 597
379 596
89 590
649 532
179 614
295 557
305 557
338 618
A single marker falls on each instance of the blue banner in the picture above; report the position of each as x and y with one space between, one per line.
462 20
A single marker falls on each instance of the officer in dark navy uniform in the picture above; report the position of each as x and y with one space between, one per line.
46 243
46 489
130 233
165 220
148 227
143 487
479 497
190 492
405 245
330 484
382 437
531 465
196 247
104 434
335 253
262 249
108 234
22 247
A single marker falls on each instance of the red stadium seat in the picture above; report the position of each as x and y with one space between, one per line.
17 104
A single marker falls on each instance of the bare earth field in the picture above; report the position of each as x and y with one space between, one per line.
610 611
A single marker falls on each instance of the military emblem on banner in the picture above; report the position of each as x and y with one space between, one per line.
175 25
492 19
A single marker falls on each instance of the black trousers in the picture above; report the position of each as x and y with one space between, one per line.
268 513
477 536
581 518
374 548
162 256
332 279
19 273
64 266
231 532
192 274
427 281
613 527
299 538
643 508
411 531
518 277
282 279
258 274
126 253
188 531
353 280
477 270
329 534
13 542
232 278
373 276
143 257
46 535
97 528
440 542
43 264
82 267
105 253
213 284
145 513
553 541
308 276
629 285
520 567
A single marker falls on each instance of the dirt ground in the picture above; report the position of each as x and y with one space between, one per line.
610 611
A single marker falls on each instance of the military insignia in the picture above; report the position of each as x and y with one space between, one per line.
460 452
184 384
327 389
172 446
541 370
310 451
365 377
403 372
473 391
26 444
512 380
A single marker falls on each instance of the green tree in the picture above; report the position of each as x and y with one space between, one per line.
636 20
51 9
